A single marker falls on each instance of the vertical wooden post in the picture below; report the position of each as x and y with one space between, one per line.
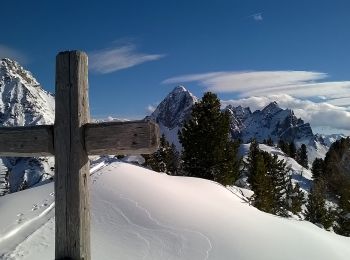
72 238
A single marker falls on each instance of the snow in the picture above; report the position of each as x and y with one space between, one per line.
140 214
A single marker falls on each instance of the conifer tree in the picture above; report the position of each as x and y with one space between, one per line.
280 179
302 157
317 168
296 199
261 185
316 210
269 141
207 150
292 150
165 159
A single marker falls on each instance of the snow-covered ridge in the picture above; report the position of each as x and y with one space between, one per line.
156 216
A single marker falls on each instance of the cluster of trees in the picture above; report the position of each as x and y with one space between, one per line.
270 180
300 155
208 151
165 159
332 182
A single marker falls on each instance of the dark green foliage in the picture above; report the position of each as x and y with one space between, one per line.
317 168
262 186
302 157
316 210
165 159
343 214
280 179
269 179
296 199
207 150
292 150
269 142
284 146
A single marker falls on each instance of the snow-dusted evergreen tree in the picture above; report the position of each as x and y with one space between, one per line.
343 214
302 157
317 169
207 150
263 197
316 210
296 198
165 159
280 179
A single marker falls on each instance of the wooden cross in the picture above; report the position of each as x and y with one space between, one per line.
71 139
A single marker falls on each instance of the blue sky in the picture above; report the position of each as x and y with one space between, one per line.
140 50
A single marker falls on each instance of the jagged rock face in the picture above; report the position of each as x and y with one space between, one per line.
272 121
23 102
175 109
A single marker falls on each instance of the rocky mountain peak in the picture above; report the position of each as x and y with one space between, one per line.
175 109
22 99
272 108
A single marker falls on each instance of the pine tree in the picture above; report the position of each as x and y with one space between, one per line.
316 210
317 168
269 141
292 150
302 157
261 185
165 159
343 214
296 199
280 179
284 146
207 150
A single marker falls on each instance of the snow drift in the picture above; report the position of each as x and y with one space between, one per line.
140 214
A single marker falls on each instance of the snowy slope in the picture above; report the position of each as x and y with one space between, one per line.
299 174
140 214
23 102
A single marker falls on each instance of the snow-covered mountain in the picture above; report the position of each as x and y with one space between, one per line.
173 111
23 102
156 216
272 121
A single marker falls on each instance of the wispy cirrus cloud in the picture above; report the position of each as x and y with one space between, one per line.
320 115
7 52
300 84
118 58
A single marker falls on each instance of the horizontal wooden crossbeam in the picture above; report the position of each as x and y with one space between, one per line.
26 141
132 137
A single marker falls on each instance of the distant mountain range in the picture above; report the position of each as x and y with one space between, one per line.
270 122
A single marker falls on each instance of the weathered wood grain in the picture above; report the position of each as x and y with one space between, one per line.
72 164
134 137
26 141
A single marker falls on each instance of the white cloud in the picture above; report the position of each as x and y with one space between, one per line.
319 115
257 17
118 58
7 52
301 84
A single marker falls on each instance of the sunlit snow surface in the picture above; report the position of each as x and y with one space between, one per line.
140 214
